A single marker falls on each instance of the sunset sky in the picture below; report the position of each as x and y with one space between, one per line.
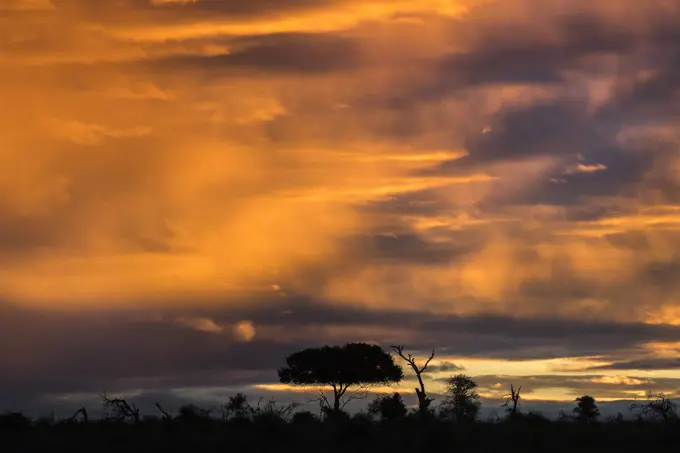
191 190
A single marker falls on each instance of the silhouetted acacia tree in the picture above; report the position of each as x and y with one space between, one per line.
462 400
586 409
388 407
423 401
341 367
512 400
657 406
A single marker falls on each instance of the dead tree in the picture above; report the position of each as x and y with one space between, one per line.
423 401
512 400
122 410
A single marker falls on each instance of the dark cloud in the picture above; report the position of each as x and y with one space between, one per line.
633 240
67 353
277 53
423 203
511 56
650 100
408 248
559 128
663 275
643 364
445 367
522 338
566 127
204 9
504 52
23 233
480 336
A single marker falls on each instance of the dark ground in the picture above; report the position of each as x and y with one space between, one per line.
358 434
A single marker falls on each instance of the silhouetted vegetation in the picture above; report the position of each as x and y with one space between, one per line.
388 407
586 410
657 406
268 430
462 400
512 401
341 367
387 425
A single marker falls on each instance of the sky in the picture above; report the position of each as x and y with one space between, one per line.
191 190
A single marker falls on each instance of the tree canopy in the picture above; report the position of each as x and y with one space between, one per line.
341 367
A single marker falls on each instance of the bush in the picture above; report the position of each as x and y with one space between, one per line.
388 407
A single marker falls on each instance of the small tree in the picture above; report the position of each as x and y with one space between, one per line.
191 412
512 400
237 407
657 406
462 400
120 409
423 401
388 407
586 409
341 367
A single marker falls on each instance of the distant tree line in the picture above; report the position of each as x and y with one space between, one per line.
362 366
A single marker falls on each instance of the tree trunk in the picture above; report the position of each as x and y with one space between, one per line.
423 402
336 403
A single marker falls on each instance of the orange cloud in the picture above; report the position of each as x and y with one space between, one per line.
193 157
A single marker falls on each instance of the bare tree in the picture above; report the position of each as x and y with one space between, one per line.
122 410
423 401
82 412
512 400
657 406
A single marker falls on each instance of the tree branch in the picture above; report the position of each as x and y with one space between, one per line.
360 393
422 370
165 414
80 411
